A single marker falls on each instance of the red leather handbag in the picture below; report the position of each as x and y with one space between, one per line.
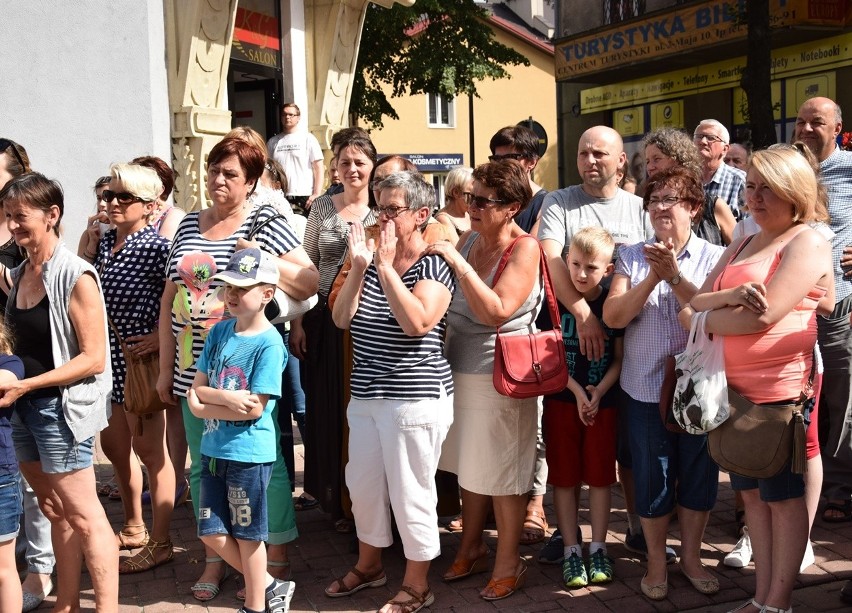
530 365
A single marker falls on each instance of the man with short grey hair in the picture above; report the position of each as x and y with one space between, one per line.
720 180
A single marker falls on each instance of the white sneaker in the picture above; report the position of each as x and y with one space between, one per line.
740 555
809 558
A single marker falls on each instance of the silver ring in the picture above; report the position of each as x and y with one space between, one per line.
751 291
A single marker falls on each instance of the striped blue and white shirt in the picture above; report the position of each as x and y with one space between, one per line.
836 175
388 363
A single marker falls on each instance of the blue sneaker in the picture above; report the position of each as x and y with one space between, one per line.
553 551
636 543
600 567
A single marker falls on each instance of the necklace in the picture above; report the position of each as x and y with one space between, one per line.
485 264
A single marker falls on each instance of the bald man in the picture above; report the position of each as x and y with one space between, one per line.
818 123
597 201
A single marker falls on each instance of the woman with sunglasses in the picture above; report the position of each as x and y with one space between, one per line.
130 259
56 312
491 445
14 162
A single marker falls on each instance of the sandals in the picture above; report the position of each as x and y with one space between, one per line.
535 528
417 601
145 559
204 591
466 567
377 579
844 508
303 503
127 537
455 524
505 587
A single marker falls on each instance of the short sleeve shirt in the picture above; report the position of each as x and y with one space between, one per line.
8 460
388 363
199 303
728 183
296 153
253 362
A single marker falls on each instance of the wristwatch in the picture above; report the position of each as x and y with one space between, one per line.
675 279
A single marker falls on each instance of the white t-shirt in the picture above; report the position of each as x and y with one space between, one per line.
296 153
571 209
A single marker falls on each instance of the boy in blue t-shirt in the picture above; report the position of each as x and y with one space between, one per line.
234 391
579 423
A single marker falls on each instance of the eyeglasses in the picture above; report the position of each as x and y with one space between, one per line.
390 212
5 144
710 138
124 198
481 202
507 156
663 203
290 114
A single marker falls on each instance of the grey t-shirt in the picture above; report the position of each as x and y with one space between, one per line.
571 209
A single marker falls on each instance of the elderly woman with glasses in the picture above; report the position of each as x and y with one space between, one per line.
653 281
394 303
491 445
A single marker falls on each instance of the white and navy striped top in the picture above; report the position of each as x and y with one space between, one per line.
388 363
199 303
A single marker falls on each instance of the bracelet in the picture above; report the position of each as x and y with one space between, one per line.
467 272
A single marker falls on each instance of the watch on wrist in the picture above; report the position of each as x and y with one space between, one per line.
675 279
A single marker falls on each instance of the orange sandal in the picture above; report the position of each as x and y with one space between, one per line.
466 567
505 587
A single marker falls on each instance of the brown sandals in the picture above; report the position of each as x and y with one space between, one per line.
417 601
377 579
132 537
145 559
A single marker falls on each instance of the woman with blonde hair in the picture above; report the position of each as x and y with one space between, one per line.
454 215
130 260
763 297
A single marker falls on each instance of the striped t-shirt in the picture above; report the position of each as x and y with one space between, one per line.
388 363
199 303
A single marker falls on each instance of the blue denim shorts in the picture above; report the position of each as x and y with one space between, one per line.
784 486
668 469
10 507
40 433
233 499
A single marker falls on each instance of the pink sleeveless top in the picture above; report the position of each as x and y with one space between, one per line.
772 365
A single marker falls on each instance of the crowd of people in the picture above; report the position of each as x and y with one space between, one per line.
393 367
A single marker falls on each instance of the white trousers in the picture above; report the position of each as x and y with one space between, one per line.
394 447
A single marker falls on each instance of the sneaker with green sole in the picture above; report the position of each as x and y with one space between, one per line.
574 572
600 567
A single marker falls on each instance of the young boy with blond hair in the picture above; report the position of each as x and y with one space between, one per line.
234 391
579 423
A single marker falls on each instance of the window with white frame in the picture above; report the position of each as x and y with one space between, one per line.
441 111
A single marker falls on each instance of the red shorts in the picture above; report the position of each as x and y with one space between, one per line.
812 439
577 453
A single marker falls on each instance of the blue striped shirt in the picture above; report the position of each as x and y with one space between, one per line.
836 175
388 363
728 183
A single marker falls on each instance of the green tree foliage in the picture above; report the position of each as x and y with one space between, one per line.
435 46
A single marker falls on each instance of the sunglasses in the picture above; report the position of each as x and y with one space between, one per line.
124 198
481 202
5 144
507 156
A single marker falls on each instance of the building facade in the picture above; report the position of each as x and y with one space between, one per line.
642 64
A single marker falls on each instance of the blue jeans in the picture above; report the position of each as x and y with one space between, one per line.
233 499
40 433
10 507
783 486
669 469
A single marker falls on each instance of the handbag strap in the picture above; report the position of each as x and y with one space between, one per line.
257 225
544 271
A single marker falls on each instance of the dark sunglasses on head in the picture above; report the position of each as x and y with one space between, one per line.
5 143
123 197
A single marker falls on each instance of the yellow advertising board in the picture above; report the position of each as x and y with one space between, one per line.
629 122
682 29
808 86
824 54
741 103
668 114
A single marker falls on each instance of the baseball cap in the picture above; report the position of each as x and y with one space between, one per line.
249 267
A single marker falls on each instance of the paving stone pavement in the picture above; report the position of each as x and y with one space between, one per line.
321 554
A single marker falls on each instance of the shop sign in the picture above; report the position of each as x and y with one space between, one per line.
256 38
683 29
801 59
667 114
432 162
629 122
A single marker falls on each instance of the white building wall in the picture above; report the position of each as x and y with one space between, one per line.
83 85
